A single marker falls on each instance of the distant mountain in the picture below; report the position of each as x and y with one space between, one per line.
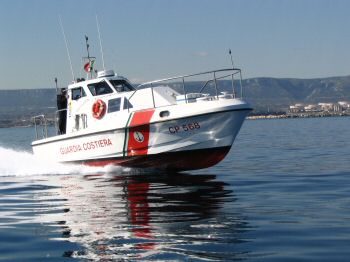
274 94
26 102
278 93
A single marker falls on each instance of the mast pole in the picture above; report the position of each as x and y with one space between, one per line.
88 54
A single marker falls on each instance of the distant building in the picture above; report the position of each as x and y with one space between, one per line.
311 108
297 108
326 106
340 106
344 105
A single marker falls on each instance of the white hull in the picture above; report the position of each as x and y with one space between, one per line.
189 138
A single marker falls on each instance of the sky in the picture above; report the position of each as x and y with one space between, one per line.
145 40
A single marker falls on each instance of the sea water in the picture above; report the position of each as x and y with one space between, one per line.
281 194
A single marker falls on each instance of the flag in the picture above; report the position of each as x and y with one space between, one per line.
88 67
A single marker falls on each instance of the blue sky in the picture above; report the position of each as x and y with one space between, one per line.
149 39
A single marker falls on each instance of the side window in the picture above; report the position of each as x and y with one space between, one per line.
100 88
114 105
127 104
78 93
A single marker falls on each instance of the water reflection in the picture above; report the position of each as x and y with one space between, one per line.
149 216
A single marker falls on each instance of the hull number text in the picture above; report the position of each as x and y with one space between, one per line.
184 128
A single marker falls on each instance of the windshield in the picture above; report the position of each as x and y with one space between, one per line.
121 85
100 88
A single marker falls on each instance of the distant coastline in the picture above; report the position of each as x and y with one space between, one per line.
298 115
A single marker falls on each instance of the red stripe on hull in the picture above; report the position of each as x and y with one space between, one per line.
141 117
138 133
184 160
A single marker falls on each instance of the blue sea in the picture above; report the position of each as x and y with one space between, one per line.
282 194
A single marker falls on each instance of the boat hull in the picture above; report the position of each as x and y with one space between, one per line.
176 161
187 143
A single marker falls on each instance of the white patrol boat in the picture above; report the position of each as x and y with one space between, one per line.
161 124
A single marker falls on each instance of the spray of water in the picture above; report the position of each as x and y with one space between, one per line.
21 163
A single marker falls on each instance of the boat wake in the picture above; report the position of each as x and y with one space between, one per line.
23 163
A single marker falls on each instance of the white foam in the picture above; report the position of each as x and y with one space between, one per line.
22 163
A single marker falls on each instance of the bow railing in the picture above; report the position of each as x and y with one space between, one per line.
184 81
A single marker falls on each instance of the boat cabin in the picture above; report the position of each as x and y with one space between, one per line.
106 100
89 99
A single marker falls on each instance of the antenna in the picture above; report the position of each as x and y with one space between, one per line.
89 66
229 51
56 85
65 41
233 80
99 37
87 46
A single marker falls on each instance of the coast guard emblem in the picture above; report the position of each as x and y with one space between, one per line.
138 136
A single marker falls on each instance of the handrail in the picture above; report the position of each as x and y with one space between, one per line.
215 78
186 76
57 112
43 124
221 77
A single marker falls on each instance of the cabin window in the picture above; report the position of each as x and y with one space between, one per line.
127 104
100 88
114 105
77 93
121 85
